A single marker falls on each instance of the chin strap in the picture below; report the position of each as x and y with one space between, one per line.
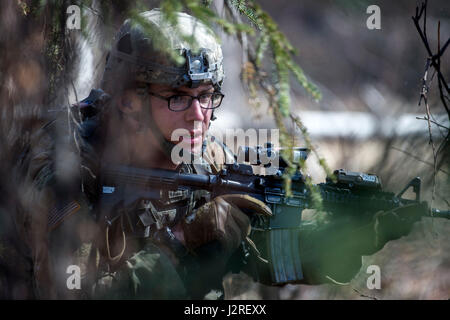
148 122
145 120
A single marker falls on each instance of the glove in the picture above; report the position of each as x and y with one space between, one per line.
222 219
334 250
217 230
396 223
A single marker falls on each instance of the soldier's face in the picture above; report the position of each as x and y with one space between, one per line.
194 120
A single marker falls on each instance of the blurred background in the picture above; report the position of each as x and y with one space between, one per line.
366 121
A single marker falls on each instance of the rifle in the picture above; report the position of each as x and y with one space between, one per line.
348 193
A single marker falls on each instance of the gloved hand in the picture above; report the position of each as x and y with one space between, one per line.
222 219
396 223
334 250
212 237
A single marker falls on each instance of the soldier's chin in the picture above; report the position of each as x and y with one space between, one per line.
194 147
197 149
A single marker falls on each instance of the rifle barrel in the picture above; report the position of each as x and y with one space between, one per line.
440 213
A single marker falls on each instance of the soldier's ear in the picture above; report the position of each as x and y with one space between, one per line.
130 102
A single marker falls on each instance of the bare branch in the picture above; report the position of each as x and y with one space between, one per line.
434 122
418 159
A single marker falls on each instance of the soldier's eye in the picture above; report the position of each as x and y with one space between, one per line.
205 98
176 99
179 103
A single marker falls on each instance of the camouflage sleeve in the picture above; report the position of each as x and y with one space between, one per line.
148 274
35 200
49 193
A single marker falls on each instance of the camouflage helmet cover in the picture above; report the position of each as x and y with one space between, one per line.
135 52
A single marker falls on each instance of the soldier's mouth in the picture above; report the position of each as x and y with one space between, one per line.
193 138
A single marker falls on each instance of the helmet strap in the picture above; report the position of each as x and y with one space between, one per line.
213 117
145 121
148 121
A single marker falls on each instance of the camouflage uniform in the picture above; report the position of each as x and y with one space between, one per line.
131 262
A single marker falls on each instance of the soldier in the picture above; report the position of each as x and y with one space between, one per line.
182 245
176 247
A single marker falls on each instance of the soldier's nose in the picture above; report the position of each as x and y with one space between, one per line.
195 112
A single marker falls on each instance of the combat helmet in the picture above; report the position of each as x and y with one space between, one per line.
139 53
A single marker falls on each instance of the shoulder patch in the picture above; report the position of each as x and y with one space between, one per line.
57 215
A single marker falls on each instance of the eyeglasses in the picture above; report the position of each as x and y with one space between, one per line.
181 102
